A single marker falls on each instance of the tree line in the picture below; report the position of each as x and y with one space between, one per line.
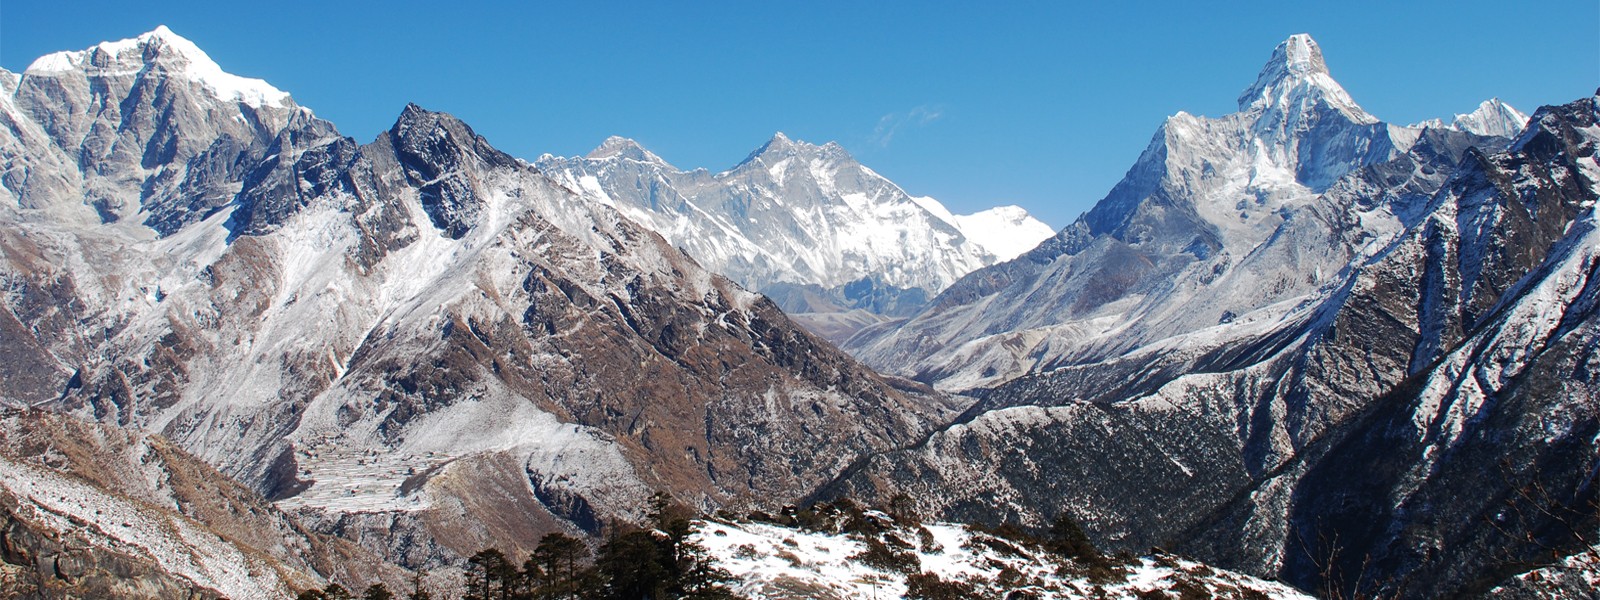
662 562
659 562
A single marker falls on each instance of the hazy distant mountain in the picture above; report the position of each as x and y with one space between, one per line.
808 225
1493 118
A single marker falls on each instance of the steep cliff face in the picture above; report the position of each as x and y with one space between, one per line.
420 343
148 129
1425 424
1480 464
91 511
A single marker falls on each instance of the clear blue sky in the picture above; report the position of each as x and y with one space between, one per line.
1042 104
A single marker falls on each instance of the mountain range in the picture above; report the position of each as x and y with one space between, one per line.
1294 341
371 335
835 244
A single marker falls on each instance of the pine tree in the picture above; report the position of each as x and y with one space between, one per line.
1069 540
553 567
377 591
634 565
489 576
698 578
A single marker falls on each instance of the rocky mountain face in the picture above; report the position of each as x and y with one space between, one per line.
1219 217
1388 390
831 241
93 511
148 130
420 344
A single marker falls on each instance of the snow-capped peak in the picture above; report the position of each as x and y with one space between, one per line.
1006 231
779 144
1493 117
620 147
1296 76
161 46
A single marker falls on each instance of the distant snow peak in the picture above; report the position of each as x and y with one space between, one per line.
1492 117
1004 231
1297 75
778 146
617 146
798 214
161 46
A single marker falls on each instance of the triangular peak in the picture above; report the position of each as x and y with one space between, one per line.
781 145
1492 117
1297 72
620 147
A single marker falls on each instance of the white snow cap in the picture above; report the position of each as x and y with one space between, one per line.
1493 117
1297 73
183 57
778 143
617 146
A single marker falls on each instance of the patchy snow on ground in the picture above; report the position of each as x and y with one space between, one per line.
774 561
87 517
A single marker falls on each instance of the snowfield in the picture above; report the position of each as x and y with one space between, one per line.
773 561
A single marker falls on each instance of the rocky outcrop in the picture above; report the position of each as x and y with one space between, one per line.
91 511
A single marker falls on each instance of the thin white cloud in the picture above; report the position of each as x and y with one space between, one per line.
892 123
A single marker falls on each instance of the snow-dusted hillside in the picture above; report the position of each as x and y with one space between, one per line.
96 511
799 214
420 342
774 561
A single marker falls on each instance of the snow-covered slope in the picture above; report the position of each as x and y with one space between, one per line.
773 561
1219 218
799 214
421 342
